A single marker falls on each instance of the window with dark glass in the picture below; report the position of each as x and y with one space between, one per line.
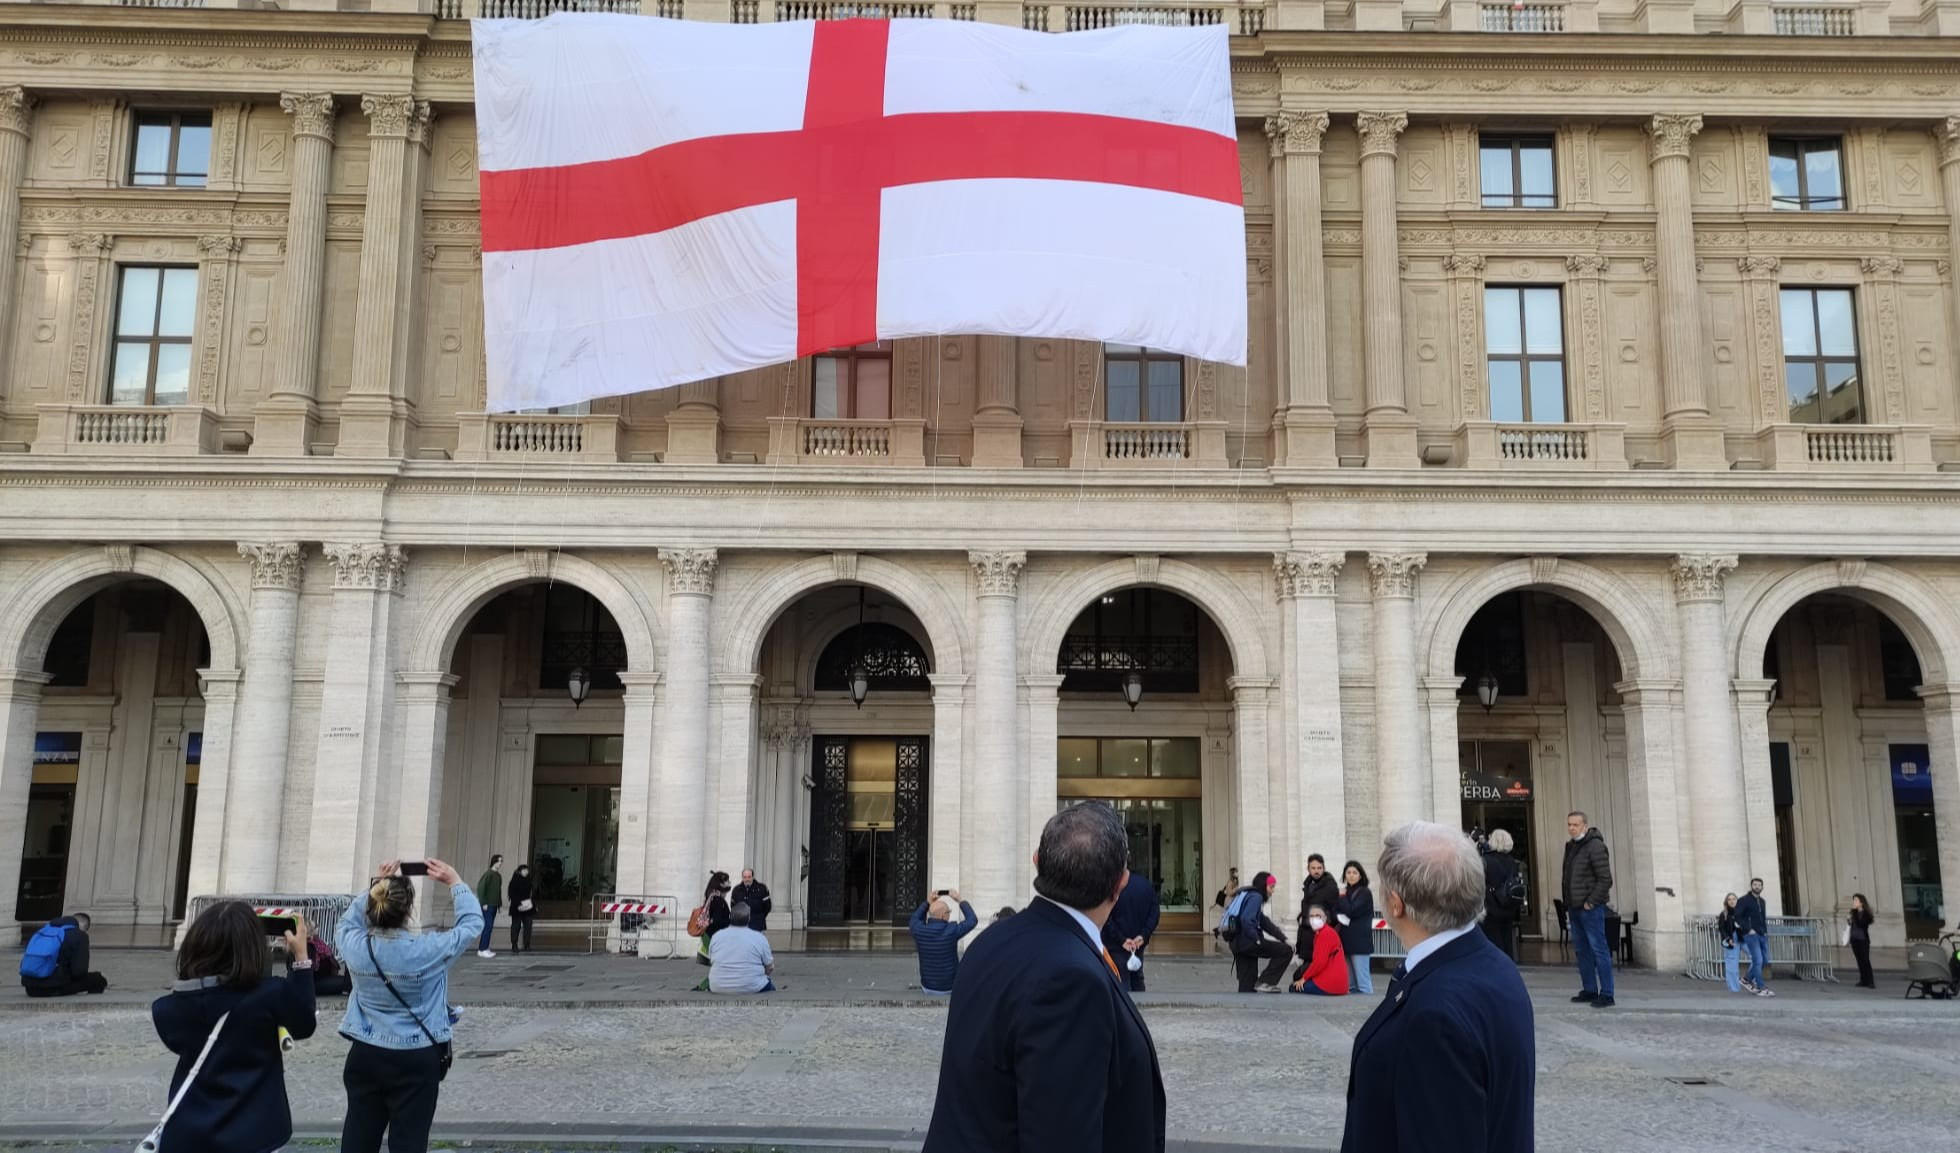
1153 632
1898 662
1143 384
1517 172
853 383
1172 758
1524 342
1806 174
171 148
893 660
1493 642
579 633
156 309
1820 356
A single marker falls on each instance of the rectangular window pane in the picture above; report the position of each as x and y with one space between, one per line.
1547 392
1126 757
1122 350
1824 184
1506 391
152 154
1839 336
1541 322
1124 390
874 390
1535 161
1799 323
173 374
1503 326
1800 380
129 374
1843 401
1174 757
1166 390
1075 757
193 153
823 388
1783 184
1495 160
138 314
179 302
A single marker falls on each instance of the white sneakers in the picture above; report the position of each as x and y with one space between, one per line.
485 953
1265 988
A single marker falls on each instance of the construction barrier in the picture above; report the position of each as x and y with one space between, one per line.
644 926
1801 945
321 910
1387 944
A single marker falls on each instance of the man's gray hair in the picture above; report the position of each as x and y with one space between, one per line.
1500 841
1084 850
1437 873
738 914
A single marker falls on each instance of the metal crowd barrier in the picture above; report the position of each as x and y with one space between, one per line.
1801 944
321 910
1387 944
644 926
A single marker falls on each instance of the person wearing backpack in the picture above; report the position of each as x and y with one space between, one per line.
55 962
1504 892
1253 935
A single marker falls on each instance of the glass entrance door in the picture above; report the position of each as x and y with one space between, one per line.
868 872
574 846
1496 784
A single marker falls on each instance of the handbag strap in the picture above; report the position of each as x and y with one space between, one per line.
177 1098
369 941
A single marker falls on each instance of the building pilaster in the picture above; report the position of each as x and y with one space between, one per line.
1306 416
1389 431
1766 335
1252 765
680 798
16 123
287 417
732 704
946 798
997 421
1403 779
1044 704
1658 879
1942 713
257 800
1752 701
998 791
694 425
1714 785
20 708
1947 136
372 420
1692 439
636 800
1316 804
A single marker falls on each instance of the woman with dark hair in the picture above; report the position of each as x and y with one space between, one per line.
1249 941
1354 909
237 1102
399 1017
1860 925
523 910
715 900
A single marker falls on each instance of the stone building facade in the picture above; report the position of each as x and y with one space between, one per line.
1597 450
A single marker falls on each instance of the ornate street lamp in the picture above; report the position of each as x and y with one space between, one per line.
860 680
1133 688
578 683
1487 690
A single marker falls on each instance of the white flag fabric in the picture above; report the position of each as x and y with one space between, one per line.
668 200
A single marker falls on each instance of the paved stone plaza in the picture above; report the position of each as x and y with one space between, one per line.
571 1047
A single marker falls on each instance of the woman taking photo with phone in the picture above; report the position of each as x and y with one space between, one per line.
398 1016
222 1018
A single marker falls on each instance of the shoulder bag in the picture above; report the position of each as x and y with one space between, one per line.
154 1141
445 1053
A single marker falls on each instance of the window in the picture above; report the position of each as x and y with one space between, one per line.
1143 385
1820 356
1806 174
582 408
172 148
1517 172
853 383
155 310
1153 632
1524 344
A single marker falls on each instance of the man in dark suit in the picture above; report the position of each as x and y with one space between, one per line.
1448 1060
1045 1052
1130 926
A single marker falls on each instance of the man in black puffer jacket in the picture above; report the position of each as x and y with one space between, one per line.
1587 884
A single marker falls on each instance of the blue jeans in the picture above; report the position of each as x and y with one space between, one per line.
1589 947
1758 947
1360 980
1730 967
489 923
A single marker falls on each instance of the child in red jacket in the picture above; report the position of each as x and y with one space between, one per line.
1327 974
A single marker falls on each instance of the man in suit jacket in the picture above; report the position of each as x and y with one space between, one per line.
1045 1052
1448 1060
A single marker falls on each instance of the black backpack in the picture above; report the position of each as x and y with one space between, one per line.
1508 896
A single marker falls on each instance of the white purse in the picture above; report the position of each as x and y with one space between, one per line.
154 1141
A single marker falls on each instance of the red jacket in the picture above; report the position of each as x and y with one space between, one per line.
1328 969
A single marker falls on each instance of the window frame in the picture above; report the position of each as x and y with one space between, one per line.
155 340
1524 358
847 381
172 118
1804 145
1143 358
1516 143
1821 360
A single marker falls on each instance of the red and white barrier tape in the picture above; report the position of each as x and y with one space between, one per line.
634 907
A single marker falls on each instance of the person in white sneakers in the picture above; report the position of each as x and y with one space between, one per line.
490 894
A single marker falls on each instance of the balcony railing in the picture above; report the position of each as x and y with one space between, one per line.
795 440
1592 447
1522 18
1099 444
787 10
1249 21
1814 21
1849 448
517 436
180 430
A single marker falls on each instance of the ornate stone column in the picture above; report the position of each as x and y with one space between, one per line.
1766 334
1306 419
216 256
1942 712
1440 702
1721 830
1316 810
286 418
694 425
1691 437
949 695
1651 870
257 802
1886 403
1466 279
1402 778
1588 384
680 796
372 420
636 806
998 794
20 706
16 121
1752 701
1947 135
1043 697
1389 431
997 421
92 261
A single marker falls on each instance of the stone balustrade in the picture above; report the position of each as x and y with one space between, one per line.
1846 447
522 436
126 430
804 440
1099 444
1589 447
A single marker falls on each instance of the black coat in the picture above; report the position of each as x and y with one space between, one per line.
717 915
1588 875
1323 892
1860 921
1500 869
1358 935
238 1102
756 897
1448 1059
1044 1052
1135 915
519 890
1751 915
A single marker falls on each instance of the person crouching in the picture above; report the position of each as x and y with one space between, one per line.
1326 973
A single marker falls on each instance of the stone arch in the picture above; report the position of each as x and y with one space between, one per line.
1614 604
453 606
49 593
754 609
1918 610
831 627
1229 608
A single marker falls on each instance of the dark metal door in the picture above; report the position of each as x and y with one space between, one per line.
830 805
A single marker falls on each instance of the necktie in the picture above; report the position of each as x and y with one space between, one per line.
1400 972
1112 967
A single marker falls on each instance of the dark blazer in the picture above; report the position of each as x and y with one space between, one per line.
1448 1061
1135 915
1044 1052
757 898
238 1103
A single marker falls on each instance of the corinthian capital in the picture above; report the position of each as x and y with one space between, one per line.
999 571
381 567
16 109
1671 135
1393 574
690 571
1947 133
1698 576
1379 131
277 565
388 115
1296 133
1307 574
312 113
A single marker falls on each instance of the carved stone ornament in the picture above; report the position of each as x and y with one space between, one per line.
121 558
1379 131
277 565
388 115
312 113
690 571
218 247
999 571
1947 133
381 567
1307 574
16 109
421 122
1882 265
1759 265
1698 576
1671 136
1393 574
90 244
1296 133
1464 263
1586 264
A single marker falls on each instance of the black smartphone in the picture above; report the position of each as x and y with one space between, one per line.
277 926
944 893
415 868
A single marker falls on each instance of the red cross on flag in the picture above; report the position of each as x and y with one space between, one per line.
670 200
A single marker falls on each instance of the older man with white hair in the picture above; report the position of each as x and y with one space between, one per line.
1448 1060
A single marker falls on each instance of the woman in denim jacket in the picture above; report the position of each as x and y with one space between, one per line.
395 1068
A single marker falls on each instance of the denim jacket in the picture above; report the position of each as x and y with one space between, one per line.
417 963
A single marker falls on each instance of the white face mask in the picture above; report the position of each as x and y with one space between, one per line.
1318 923
1135 963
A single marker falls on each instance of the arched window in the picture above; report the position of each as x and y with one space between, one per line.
893 661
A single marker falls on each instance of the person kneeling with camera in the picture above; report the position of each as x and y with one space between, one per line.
398 1016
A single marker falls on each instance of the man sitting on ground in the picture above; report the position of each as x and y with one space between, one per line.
739 960
55 962
937 936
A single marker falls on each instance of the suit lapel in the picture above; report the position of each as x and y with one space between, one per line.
1401 990
1055 915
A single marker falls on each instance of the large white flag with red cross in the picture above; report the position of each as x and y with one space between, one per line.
667 200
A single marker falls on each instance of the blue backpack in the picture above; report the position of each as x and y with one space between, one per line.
43 952
1228 924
